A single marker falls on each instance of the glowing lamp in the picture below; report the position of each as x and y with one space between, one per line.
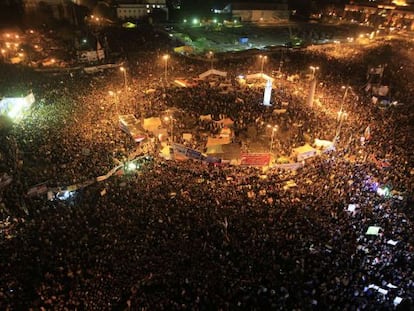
131 166
384 192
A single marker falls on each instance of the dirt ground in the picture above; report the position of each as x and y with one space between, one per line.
225 39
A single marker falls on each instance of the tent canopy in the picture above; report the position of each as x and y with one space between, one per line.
320 143
212 72
225 122
214 149
152 124
214 141
259 76
225 132
205 117
282 160
304 152
304 149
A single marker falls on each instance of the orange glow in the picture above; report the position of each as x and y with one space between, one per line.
400 2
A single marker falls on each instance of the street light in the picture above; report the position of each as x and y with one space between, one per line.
313 68
341 116
115 95
263 58
274 130
312 89
344 97
171 119
123 70
166 57
341 113
211 56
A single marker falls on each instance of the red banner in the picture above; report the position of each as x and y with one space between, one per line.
255 159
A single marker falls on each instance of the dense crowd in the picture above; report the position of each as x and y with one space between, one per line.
186 235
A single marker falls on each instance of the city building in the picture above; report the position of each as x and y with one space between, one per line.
138 9
397 14
58 9
257 12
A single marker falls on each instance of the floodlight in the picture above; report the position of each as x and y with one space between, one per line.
16 108
64 195
131 166
384 192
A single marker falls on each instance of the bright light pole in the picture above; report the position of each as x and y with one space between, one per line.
341 116
171 119
115 96
166 57
272 137
341 113
263 58
312 89
123 69
211 56
313 68
344 97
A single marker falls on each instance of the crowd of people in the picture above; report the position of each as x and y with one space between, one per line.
186 235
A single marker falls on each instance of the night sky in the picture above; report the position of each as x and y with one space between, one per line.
11 11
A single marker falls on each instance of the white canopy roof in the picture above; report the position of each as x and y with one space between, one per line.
212 72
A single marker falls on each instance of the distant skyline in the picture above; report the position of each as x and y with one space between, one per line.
12 11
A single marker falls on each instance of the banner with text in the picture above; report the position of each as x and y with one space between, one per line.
255 159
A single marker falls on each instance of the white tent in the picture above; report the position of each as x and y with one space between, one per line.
225 133
214 149
325 145
212 72
304 152
321 143
152 124
214 141
259 76
165 152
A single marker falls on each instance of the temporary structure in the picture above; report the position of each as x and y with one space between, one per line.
212 72
304 152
